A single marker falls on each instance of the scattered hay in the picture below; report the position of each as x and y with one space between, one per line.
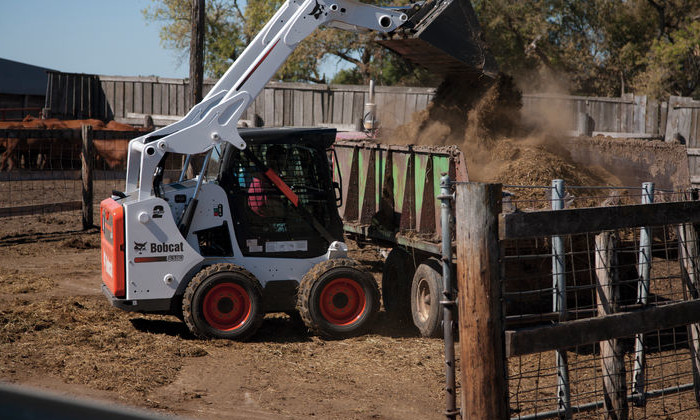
82 242
84 341
17 282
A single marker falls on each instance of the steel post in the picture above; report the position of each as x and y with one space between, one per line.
559 301
644 270
448 301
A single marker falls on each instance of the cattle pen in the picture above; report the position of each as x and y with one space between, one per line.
55 169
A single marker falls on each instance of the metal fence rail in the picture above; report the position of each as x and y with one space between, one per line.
44 171
600 305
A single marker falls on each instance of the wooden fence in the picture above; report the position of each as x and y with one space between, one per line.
131 99
128 99
684 126
577 364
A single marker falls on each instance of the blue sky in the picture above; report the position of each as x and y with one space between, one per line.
82 36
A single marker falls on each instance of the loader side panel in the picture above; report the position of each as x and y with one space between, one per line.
112 246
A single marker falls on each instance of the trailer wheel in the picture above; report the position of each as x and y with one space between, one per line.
426 291
338 299
396 284
223 301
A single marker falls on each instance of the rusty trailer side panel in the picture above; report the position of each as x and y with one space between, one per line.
389 191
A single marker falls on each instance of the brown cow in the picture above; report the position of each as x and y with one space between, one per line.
64 154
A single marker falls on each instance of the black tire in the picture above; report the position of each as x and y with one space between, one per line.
338 299
397 276
223 301
426 293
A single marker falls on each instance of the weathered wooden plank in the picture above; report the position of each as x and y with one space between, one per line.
87 163
346 117
288 107
157 100
148 107
40 208
612 355
298 108
308 108
138 97
269 113
337 100
587 331
484 383
663 115
694 132
279 108
358 106
128 97
318 108
596 219
108 89
689 259
119 99
181 107
172 100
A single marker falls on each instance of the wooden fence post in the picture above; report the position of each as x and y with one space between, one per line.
87 164
690 259
482 352
612 356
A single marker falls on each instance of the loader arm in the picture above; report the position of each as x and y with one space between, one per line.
214 119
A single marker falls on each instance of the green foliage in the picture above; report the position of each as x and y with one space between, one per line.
591 47
595 47
673 64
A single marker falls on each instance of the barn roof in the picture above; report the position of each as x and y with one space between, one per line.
22 79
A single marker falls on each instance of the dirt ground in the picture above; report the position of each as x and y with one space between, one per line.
58 332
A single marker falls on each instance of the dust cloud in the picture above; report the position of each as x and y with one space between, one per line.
483 118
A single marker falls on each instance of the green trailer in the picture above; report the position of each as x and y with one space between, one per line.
389 199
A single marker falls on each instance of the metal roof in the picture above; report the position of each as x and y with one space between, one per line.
22 79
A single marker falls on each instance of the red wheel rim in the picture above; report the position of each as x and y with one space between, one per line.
342 301
226 306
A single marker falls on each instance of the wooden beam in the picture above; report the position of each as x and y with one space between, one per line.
483 370
87 164
596 219
40 208
587 331
689 259
612 355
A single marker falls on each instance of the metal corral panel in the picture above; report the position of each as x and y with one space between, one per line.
389 191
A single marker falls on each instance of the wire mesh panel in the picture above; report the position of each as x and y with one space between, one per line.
41 169
608 275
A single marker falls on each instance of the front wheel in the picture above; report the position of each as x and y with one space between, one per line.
338 299
223 301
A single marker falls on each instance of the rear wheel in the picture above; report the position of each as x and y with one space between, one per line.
396 284
338 299
426 291
223 301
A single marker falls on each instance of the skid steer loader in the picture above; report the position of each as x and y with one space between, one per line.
257 230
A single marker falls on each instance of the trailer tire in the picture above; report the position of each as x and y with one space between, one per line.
426 290
397 276
338 299
223 301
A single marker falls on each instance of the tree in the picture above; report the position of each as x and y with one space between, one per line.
595 47
230 28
